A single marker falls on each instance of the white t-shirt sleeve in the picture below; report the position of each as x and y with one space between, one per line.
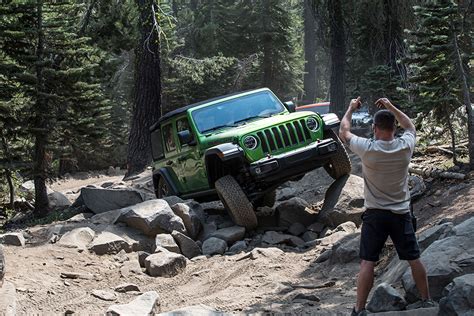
359 145
409 138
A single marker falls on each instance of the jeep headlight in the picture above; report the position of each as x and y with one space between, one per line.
250 142
312 124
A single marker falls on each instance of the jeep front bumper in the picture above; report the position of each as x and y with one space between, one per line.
295 162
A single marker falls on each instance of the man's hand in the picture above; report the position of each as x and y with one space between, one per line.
355 104
384 102
345 127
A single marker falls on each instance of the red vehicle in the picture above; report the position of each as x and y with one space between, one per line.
321 108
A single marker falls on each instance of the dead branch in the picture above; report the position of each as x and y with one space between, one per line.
435 173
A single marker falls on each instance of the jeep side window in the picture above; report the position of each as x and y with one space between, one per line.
168 137
157 144
182 125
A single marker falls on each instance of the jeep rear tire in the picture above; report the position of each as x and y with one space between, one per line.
162 190
339 164
236 202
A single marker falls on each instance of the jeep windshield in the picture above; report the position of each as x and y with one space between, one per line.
234 112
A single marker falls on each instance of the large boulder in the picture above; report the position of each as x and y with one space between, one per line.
144 305
2 266
58 200
166 241
230 234
430 235
13 239
152 217
346 250
108 243
386 298
188 247
445 260
458 297
274 238
100 200
165 264
393 273
77 238
112 239
214 246
344 201
190 213
295 210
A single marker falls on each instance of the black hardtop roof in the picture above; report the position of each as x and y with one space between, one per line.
187 107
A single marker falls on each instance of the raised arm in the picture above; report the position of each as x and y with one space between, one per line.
401 117
345 128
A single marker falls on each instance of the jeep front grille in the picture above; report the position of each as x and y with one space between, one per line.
284 135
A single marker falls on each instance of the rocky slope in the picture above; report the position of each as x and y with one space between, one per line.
127 251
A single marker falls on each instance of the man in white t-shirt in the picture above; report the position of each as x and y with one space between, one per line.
385 162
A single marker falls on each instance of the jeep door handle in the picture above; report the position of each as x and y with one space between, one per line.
169 162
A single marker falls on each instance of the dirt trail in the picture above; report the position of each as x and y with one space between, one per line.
223 282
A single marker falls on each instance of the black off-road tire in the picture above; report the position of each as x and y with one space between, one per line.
236 202
266 200
162 189
339 164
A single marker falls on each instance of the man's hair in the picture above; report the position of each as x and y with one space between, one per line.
385 120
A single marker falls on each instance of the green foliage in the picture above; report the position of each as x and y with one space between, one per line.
61 87
432 60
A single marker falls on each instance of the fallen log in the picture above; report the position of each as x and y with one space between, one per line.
435 173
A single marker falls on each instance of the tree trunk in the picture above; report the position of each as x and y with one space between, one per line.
453 137
467 102
267 47
40 130
392 37
310 82
338 57
87 17
8 175
147 89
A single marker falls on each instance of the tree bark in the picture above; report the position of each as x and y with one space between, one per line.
310 82
338 57
392 37
467 102
40 130
147 89
267 47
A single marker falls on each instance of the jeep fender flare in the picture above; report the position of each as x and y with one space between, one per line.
222 160
330 121
166 175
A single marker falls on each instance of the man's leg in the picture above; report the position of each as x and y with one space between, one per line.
418 272
365 280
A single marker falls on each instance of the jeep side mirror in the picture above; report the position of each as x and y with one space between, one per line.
290 106
185 137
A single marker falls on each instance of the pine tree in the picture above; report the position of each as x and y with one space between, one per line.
53 70
432 60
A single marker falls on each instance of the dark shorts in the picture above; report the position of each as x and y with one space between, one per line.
377 225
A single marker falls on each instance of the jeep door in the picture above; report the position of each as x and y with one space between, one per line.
191 171
171 152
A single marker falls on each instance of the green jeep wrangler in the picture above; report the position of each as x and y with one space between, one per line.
239 148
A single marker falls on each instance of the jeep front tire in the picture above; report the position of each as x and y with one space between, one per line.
339 164
236 202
